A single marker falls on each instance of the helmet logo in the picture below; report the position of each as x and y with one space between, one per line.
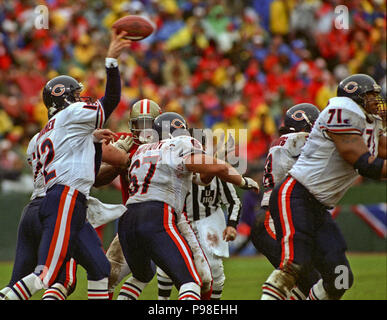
299 115
177 123
351 87
58 90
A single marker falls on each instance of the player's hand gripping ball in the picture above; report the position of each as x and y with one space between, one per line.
137 27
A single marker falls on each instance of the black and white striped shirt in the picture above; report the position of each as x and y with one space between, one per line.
202 201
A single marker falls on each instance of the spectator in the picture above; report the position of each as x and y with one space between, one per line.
205 59
11 165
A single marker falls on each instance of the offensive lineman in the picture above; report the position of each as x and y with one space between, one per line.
346 141
204 212
160 175
141 120
282 155
65 150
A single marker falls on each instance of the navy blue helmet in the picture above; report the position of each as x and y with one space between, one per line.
300 117
60 92
357 86
170 124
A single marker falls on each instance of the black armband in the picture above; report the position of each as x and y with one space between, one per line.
371 170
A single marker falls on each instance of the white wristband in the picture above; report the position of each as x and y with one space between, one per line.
243 182
111 62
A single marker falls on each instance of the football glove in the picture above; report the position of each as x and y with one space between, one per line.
124 143
248 183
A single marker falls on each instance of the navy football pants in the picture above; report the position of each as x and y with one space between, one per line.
33 243
264 242
307 233
147 232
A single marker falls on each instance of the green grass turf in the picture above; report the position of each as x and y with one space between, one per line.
244 276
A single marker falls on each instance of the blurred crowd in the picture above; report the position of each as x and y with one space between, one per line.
221 63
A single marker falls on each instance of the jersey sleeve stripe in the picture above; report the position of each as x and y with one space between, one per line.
101 115
91 107
346 130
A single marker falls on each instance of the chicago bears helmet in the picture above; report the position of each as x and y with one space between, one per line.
141 119
170 124
60 92
300 117
364 90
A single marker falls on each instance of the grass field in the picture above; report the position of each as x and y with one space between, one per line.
244 276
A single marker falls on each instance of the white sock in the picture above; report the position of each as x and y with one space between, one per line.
317 292
189 291
56 292
164 285
131 289
25 288
3 292
98 290
277 286
296 294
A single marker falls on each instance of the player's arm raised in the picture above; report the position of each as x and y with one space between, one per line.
113 82
210 166
353 150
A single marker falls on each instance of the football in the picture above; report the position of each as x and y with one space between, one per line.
137 27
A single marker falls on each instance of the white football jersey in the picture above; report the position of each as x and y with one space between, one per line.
282 155
65 147
158 172
320 168
39 190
